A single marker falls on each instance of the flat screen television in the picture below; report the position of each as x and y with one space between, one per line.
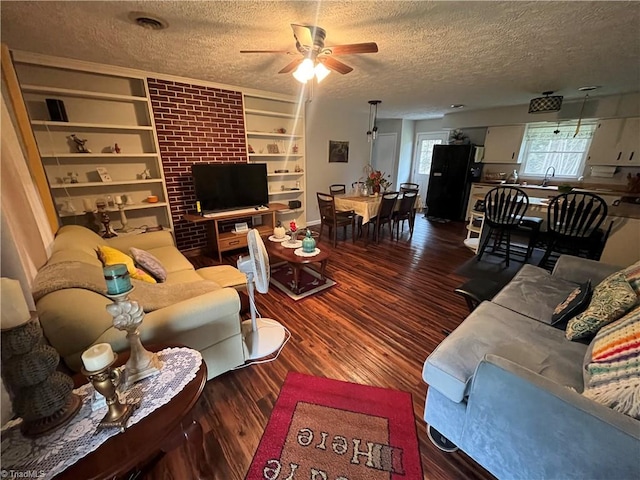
230 186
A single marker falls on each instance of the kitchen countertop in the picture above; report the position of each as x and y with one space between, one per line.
623 210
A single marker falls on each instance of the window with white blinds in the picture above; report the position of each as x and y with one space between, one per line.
563 147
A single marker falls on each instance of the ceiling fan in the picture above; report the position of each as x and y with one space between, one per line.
310 44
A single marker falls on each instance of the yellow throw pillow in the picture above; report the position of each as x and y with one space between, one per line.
111 256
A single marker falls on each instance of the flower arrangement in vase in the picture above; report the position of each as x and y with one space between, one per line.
294 231
376 180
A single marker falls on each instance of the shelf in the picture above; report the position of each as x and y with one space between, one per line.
100 155
269 113
98 126
83 93
287 211
272 135
286 192
473 229
472 243
103 184
137 206
289 174
275 155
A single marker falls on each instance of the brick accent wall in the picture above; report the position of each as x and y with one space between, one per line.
195 124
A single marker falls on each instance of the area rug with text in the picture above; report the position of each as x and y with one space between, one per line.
310 281
328 429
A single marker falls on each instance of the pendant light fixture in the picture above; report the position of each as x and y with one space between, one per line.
372 133
545 104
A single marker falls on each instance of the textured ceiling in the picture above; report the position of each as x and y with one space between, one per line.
431 54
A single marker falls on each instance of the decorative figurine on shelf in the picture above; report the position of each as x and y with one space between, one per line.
116 148
106 221
79 143
145 175
298 168
73 177
251 150
294 149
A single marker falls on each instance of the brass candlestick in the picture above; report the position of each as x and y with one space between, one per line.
128 315
106 382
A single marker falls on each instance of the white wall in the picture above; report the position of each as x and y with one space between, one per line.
407 142
328 120
405 133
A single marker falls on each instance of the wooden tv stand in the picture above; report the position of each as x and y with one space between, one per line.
224 241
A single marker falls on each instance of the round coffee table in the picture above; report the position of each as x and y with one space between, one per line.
275 249
160 432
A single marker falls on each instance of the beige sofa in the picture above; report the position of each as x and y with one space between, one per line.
75 318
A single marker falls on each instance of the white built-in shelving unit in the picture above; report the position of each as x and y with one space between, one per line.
275 137
104 107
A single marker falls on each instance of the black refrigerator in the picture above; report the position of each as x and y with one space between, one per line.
452 172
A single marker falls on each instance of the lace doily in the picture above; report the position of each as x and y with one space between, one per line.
273 238
289 244
51 454
301 253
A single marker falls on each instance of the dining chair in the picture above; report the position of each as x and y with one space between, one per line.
407 187
334 219
504 208
337 188
573 225
384 215
406 211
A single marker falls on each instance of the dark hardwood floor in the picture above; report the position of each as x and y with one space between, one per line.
376 327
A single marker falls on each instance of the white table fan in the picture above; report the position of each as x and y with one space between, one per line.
262 336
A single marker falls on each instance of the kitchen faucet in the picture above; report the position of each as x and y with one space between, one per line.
545 182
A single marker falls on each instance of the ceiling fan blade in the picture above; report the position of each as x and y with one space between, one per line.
333 64
268 51
302 34
291 66
369 47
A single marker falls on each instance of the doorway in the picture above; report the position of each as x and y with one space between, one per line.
422 158
384 154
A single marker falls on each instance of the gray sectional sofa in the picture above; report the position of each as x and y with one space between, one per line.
505 387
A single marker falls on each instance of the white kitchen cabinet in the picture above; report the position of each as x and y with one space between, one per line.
104 109
502 144
275 136
616 142
629 144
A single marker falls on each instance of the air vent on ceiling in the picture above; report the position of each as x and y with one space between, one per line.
148 21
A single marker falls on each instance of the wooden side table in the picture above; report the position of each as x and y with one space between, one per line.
160 432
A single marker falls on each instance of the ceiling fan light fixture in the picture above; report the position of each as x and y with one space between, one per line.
545 104
305 71
321 71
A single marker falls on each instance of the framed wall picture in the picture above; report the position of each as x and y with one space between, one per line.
338 151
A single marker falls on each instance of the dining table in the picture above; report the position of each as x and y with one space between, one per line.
366 206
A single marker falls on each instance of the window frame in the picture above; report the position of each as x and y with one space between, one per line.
523 154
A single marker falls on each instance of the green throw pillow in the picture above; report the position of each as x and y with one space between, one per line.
611 299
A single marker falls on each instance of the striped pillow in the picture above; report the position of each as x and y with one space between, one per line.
615 365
